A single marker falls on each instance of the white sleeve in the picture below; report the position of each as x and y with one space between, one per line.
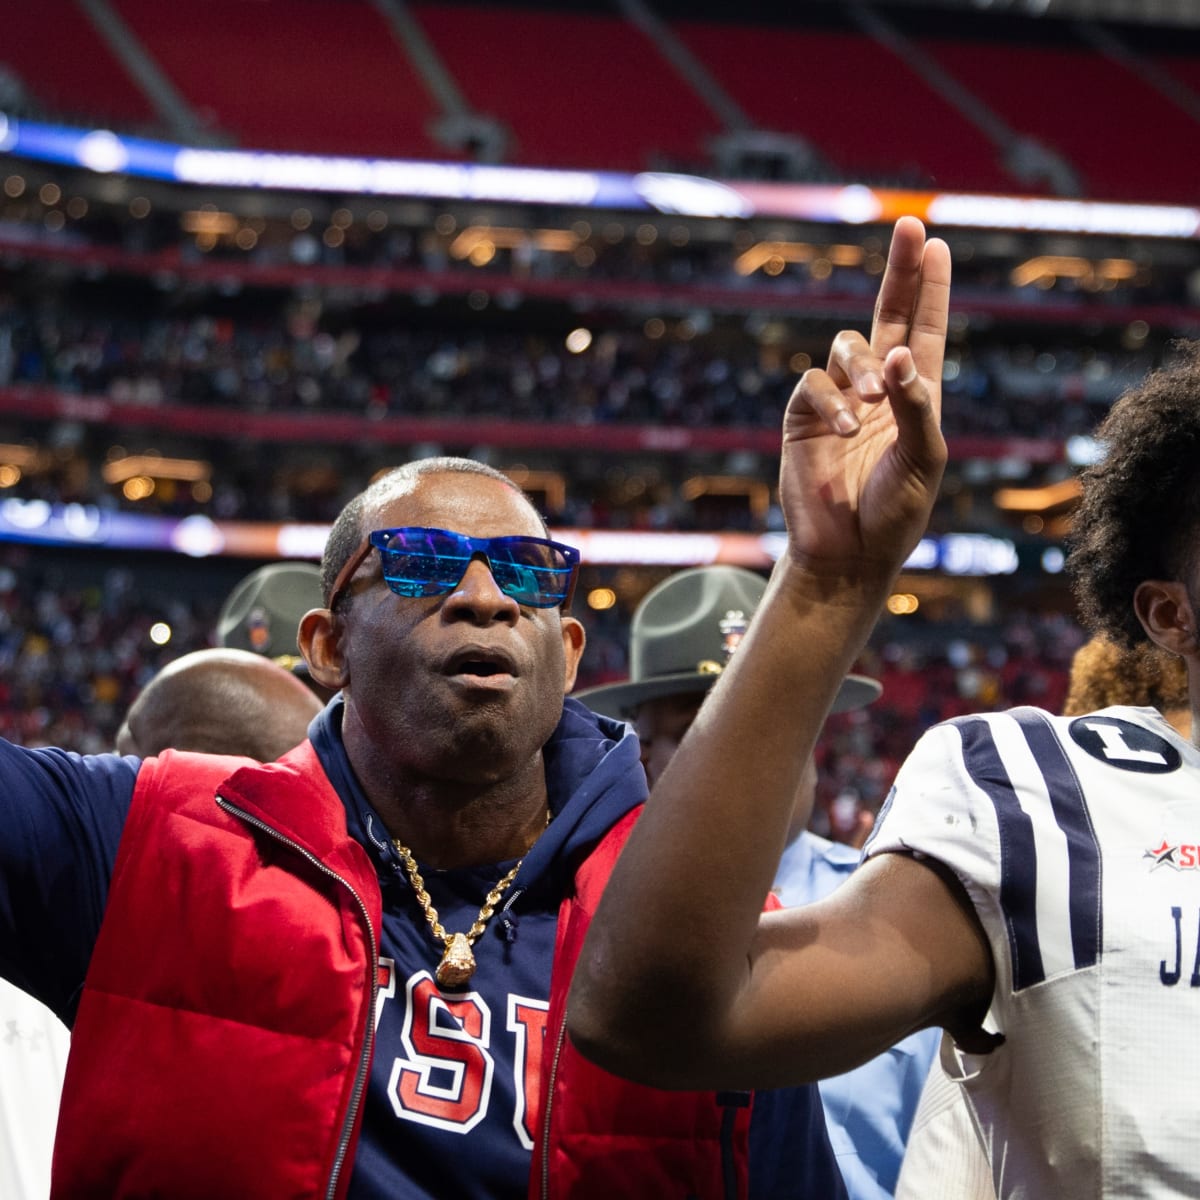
33 1057
1001 799
938 809
943 1158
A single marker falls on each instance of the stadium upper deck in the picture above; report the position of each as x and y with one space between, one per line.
909 94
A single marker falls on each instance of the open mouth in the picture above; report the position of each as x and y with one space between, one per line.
481 663
477 666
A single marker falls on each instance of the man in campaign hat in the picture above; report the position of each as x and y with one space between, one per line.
683 634
262 614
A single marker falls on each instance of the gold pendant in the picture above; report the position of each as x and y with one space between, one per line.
458 962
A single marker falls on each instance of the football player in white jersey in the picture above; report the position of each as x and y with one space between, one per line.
943 1159
1033 886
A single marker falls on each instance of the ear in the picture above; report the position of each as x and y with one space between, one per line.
320 640
1165 611
573 641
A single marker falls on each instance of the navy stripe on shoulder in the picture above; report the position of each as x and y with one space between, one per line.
1018 850
1083 848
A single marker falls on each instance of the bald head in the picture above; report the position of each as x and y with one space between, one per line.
219 702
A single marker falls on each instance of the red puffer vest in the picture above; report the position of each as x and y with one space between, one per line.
225 1031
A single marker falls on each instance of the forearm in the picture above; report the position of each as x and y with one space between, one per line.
669 950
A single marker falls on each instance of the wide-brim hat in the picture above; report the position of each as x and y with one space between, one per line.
262 613
684 633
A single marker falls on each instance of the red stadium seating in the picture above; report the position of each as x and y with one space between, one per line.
311 75
1184 68
576 89
588 89
1126 140
66 65
860 105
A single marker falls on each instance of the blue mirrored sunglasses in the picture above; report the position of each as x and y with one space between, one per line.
417 561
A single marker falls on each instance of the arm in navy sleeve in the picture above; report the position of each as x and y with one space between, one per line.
61 817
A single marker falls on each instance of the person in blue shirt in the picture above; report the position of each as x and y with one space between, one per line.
682 635
869 1110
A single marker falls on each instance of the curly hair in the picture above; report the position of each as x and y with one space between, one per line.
1139 514
1103 673
347 533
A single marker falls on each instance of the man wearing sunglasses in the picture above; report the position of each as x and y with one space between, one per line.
343 974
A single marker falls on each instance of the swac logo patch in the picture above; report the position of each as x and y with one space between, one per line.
1126 745
1179 856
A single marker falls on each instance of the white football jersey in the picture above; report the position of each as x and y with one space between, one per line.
33 1057
1078 842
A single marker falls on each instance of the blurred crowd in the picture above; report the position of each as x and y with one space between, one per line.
74 651
759 259
78 641
286 358
291 358
140 332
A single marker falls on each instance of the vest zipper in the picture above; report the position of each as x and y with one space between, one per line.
562 1036
364 1062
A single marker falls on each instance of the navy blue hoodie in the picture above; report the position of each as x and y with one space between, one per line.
454 1073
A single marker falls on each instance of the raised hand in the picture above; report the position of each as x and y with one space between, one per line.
738 999
862 451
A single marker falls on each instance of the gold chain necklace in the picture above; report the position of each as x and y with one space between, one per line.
458 959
